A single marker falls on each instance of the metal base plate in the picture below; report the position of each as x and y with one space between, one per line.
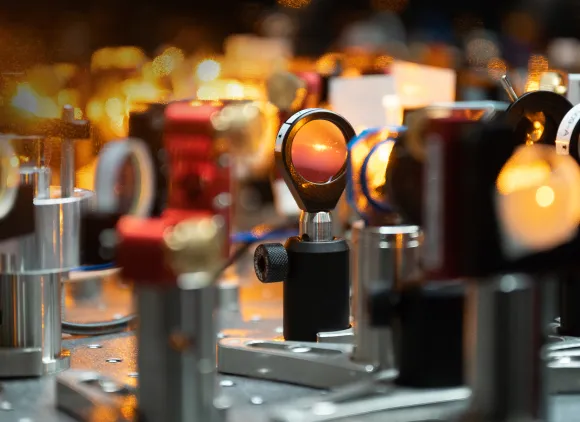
317 365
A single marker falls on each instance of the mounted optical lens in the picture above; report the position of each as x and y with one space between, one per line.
319 151
311 154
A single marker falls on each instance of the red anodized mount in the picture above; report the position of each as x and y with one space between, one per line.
197 176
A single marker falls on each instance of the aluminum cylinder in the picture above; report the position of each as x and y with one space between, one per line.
54 248
30 331
502 336
177 353
382 257
32 270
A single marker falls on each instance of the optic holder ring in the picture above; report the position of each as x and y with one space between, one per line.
9 177
372 140
569 132
384 207
554 106
108 172
311 197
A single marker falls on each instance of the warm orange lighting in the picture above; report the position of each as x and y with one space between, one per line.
539 199
537 65
536 134
208 70
326 64
117 58
377 165
396 6
383 62
496 68
521 176
545 196
168 61
320 147
294 4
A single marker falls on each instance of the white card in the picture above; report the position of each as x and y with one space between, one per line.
360 100
379 100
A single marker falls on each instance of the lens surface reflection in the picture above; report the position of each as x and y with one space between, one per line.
319 151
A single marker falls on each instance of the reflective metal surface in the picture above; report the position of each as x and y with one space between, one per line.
55 245
502 349
383 257
317 226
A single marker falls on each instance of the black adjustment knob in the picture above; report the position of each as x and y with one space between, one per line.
271 262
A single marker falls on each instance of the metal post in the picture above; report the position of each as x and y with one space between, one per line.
67 163
502 350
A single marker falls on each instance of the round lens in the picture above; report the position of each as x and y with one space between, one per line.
319 151
375 174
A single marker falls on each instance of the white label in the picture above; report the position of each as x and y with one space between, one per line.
434 204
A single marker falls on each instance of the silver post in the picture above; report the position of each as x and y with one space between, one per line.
384 256
67 163
509 89
502 345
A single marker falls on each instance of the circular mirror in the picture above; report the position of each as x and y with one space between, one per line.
319 151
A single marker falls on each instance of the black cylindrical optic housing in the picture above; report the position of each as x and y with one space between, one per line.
430 337
316 290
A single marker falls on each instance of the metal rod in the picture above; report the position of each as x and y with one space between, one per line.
67 163
502 344
509 89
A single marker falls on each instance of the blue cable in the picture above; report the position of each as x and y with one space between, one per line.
249 237
241 237
98 267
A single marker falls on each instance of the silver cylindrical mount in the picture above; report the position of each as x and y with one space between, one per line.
32 269
54 247
177 353
382 257
502 336
30 332
317 226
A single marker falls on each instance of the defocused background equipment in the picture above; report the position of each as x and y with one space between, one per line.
328 192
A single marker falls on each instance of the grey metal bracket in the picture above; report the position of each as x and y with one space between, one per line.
318 365
89 396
